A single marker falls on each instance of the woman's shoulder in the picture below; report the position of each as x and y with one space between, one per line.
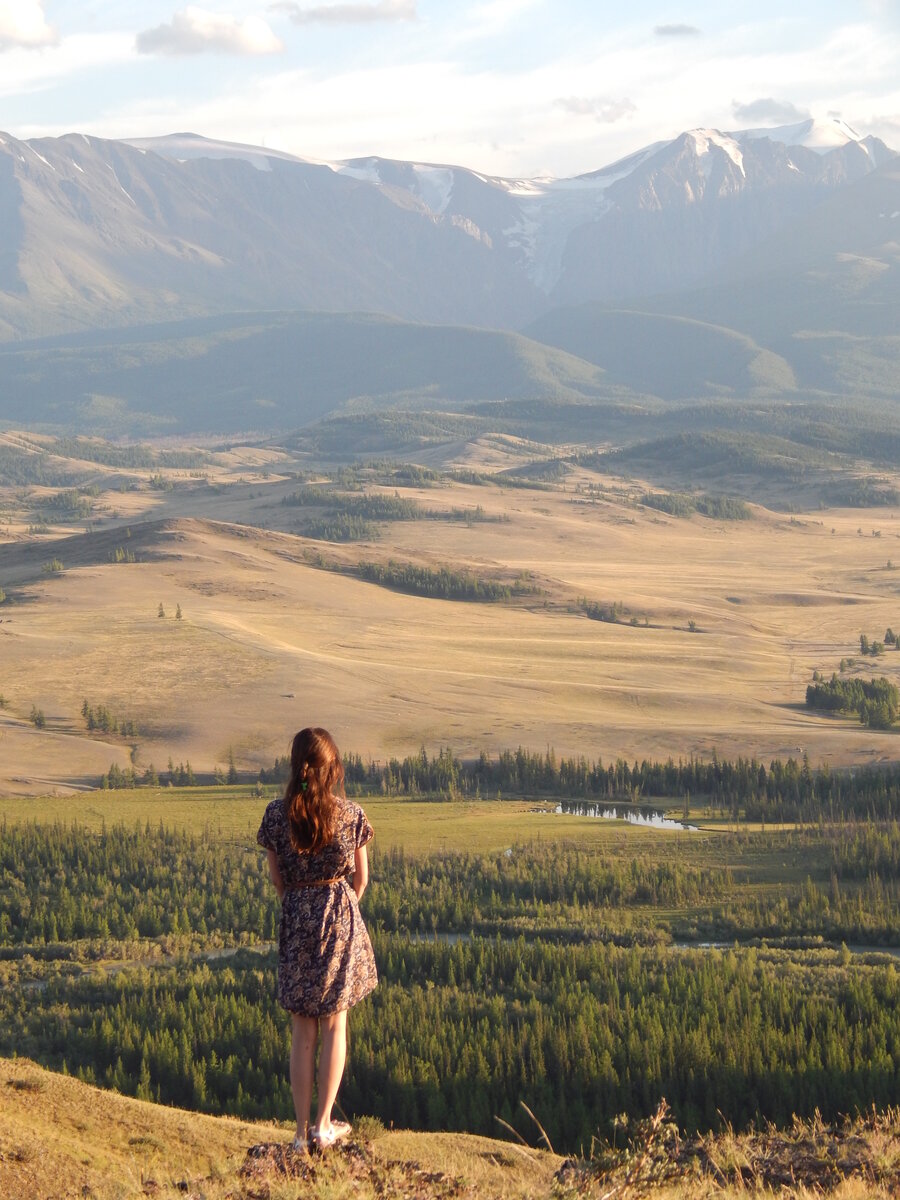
354 820
271 826
274 810
348 810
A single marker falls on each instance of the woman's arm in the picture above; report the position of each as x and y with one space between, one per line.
275 873
360 871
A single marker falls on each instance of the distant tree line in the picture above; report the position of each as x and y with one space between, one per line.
20 467
876 702
681 504
183 775
373 506
863 493
785 790
99 717
596 610
115 455
71 502
340 527
351 516
445 583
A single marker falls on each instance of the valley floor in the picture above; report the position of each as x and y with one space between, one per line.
719 626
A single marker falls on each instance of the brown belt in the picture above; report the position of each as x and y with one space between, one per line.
292 887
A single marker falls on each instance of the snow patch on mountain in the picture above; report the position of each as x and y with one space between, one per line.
705 138
185 146
366 171
814 134
43 160
434 185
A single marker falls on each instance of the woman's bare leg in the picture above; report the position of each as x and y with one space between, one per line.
303 1062
332 1056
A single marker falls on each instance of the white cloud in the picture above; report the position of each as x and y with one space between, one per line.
434 100
677 29
489 19
22 23
768 111
79 55
195 31
885 126
348 14
602 108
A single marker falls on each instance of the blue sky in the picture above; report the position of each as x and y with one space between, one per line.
509 87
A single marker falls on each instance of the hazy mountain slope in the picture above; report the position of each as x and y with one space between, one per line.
825 293
671 357
688 208
104 233
99 233
274 371
660 219
753 465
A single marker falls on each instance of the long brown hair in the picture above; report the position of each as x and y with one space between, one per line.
317 774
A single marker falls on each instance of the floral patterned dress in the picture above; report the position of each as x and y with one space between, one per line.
325 959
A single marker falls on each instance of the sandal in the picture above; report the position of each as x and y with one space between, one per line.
323 1138
300 1145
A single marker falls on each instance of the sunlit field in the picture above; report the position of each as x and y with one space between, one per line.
720 627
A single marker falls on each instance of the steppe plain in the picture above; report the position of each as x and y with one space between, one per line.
721 628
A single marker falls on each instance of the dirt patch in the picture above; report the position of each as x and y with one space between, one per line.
352 1163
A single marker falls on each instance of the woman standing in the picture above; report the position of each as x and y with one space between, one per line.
316 841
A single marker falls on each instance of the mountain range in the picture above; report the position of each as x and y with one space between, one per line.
714 263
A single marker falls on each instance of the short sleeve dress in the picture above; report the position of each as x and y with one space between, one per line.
325 959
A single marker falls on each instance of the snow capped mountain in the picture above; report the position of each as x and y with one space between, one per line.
182 146
536 221
100 232
814 134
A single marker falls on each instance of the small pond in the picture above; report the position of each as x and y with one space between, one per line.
645 817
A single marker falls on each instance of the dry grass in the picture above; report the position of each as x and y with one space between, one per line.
857 1158
60 1139
268 643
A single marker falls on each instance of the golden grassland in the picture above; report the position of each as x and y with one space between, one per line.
61 1140
268 642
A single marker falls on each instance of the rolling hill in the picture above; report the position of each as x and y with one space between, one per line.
61 1138
275 371
824 293
675 358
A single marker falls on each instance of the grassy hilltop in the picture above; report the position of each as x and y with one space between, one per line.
60 1138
